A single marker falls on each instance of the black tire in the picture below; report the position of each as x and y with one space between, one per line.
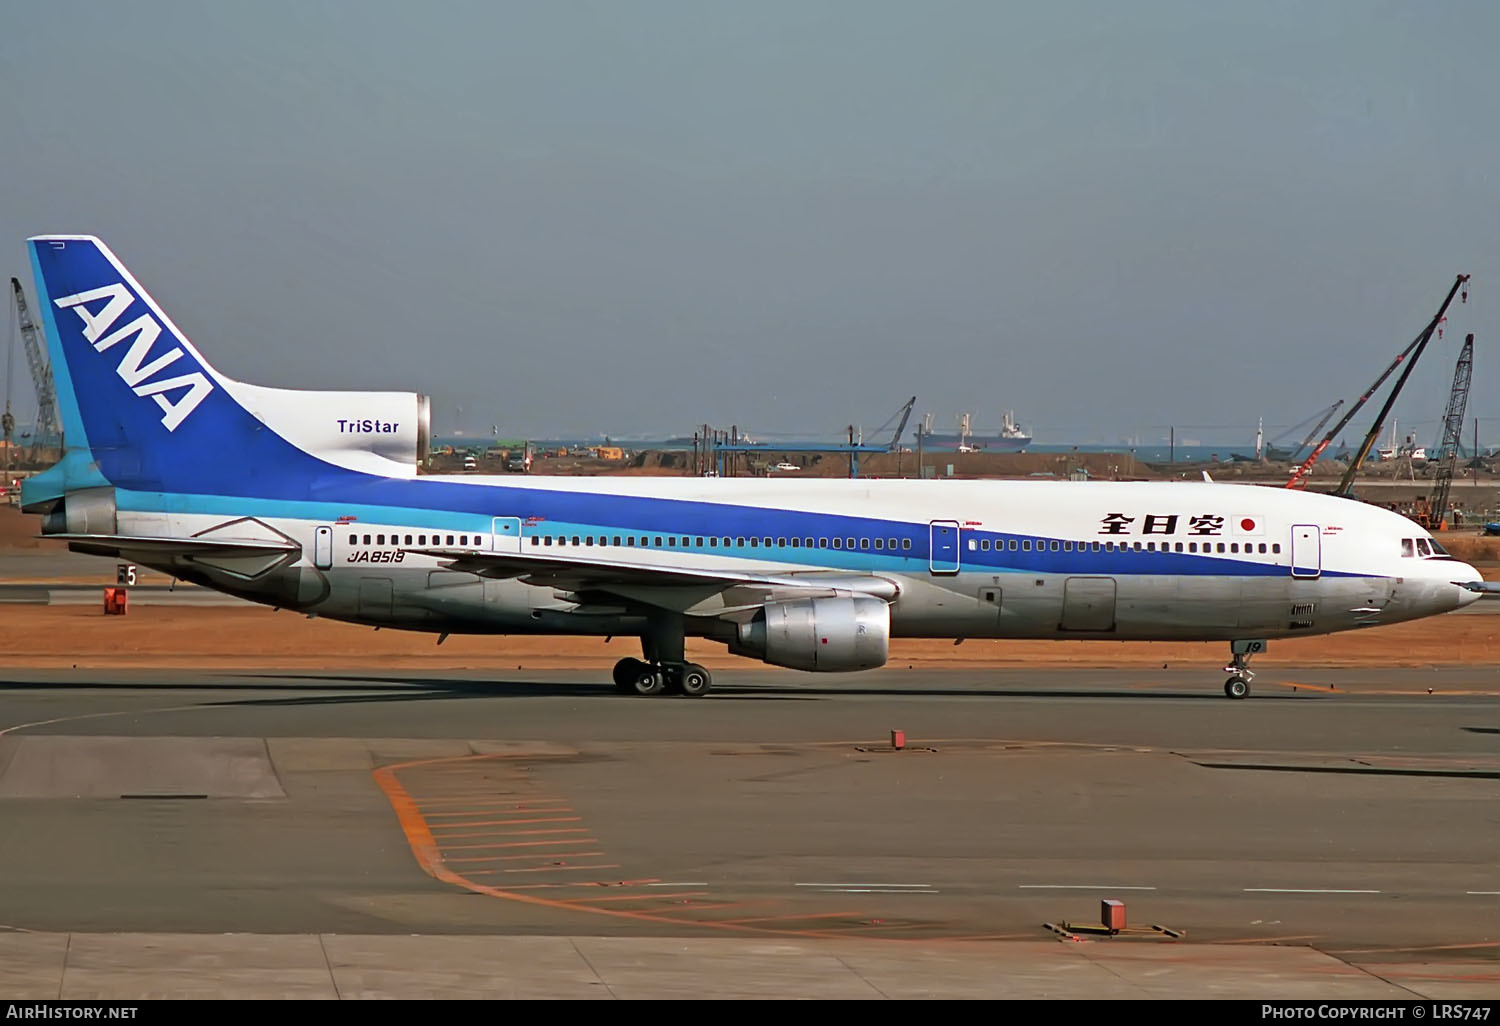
694 681
648 680
1237 687
624 675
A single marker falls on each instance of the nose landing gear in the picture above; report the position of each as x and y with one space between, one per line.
1238 685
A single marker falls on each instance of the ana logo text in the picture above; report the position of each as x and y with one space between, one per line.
133 368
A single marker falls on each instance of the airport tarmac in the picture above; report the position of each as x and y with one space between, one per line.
1334 836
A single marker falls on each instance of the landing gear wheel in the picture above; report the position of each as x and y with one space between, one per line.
624 675
648 680
1237 687
694 681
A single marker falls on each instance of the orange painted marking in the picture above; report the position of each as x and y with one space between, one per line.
425 850
519 803
563 869
517 844
545 855
513 833
512 822
652 897
488 812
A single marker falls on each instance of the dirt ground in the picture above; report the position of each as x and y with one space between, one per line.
258 637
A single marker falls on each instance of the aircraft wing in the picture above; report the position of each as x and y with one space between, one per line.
693 590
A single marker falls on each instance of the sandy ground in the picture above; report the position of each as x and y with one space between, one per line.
230 638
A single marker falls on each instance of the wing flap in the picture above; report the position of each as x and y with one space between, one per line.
659 584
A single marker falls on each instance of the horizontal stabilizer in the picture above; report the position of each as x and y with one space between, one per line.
1482 587
114 544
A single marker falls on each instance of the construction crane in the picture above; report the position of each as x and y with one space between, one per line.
41 374
1435 513
1322 416
1412 350
904 413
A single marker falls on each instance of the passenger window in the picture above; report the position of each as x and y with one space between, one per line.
1276 547
658 541
1234 546
1108 546
535 540
796 543
740 542
891 542
1221 546
630 541
367 539
822 543
880 543
1054 546
617 539
408 539
589 540
1192 546
1012 545
781 542
1406 547
973 545
906 543
547 539
807 543
1067 546
864 543
1097 546
985 545
645 542
576 540
1262 546
1179 546
838 543
1151 546
754 541
671 542
354 540
700 541
1137 546
766 542
1026 545
848 543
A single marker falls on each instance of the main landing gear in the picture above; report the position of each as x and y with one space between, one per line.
634 677
1238 686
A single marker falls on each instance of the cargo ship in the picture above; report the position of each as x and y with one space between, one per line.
1010 437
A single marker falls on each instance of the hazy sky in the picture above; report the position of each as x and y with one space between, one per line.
634 217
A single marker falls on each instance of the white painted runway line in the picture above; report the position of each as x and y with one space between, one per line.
1304 890
1083 887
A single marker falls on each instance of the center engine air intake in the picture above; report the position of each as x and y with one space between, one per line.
829 635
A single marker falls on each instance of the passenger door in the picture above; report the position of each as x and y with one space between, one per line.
943 539
1307 550
323 548
505 535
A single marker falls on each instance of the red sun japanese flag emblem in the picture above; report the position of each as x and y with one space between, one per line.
1248 525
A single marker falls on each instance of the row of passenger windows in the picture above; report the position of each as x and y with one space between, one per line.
672 541
421 539
1024 544
879 544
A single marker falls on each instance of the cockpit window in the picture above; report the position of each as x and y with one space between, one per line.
1406 547
1422 547
1437 550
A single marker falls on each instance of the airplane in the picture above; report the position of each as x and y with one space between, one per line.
255 492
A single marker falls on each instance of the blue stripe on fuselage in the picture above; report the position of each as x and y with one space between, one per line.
434 504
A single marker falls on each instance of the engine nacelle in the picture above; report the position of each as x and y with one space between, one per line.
827 635
360 430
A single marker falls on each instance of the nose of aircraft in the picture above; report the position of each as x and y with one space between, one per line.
1471 584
